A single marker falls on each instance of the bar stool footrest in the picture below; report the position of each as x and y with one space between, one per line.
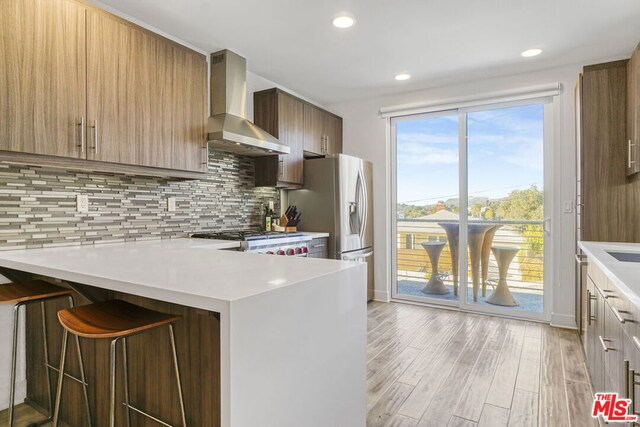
71 377
141 412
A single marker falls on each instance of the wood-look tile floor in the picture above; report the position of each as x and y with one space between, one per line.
432 367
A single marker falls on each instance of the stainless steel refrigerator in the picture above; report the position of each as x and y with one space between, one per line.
337 198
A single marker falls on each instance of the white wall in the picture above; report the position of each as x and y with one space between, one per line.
6 334
365 135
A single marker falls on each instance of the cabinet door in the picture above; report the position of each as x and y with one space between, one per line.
614 367
632 362
313 130
333 134
595 329
183 109
121 95
146 98
291 133
633 113
42 68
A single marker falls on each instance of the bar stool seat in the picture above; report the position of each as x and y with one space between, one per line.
116 320
35 290
111 319
31 292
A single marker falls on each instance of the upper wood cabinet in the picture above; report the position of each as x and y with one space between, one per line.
314 124
146 97
305 128
606 210
323 131
332 134
282 115
88 85
43 73
633 113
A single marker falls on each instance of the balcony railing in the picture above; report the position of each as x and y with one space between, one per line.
526 272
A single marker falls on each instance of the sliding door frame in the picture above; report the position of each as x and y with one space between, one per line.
462 303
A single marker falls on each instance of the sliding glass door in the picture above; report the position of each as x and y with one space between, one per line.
469 195
427 176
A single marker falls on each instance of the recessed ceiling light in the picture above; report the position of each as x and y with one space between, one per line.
343 21
402 76
531 52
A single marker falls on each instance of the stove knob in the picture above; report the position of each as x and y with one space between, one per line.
298 250
269 252
290 251
305 250
280 252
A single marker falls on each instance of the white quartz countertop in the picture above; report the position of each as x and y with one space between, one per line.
192 272
625 275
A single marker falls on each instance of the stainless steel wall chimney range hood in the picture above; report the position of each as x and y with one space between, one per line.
229 130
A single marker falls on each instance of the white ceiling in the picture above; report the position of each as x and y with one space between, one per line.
292 42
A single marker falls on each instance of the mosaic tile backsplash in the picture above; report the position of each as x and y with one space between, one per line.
38 204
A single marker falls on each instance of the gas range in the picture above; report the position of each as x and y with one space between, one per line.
267 242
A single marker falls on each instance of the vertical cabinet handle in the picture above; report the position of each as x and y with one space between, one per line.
627 382
82 141
96 142
205 158
280 167
588 307
589 312
631 390
629 154
603 344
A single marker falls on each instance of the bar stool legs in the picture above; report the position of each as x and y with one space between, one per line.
62 374
177 370
14 357
47 362
127 403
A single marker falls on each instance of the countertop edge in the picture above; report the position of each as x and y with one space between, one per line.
593 256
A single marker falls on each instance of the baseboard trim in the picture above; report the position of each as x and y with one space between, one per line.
21 394
381 296
564 321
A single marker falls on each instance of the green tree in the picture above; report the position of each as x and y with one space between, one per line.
527 205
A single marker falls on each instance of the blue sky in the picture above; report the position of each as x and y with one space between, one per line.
505 152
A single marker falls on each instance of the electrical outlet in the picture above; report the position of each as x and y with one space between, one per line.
82 203
171 204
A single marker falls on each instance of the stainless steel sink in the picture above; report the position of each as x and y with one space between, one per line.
626 256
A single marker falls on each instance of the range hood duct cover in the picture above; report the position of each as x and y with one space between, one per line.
228 128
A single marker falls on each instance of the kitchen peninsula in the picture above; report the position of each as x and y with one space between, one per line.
264 340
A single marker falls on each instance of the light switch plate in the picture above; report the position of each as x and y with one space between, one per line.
171 204
82 203
568 206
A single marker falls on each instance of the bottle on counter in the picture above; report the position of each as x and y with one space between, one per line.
266 219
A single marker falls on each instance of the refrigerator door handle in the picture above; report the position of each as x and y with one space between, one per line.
363 204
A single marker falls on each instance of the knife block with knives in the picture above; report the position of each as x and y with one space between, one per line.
290 219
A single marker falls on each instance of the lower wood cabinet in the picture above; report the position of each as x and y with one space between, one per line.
611 341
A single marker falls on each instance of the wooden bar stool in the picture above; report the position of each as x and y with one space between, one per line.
116 320
31 292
